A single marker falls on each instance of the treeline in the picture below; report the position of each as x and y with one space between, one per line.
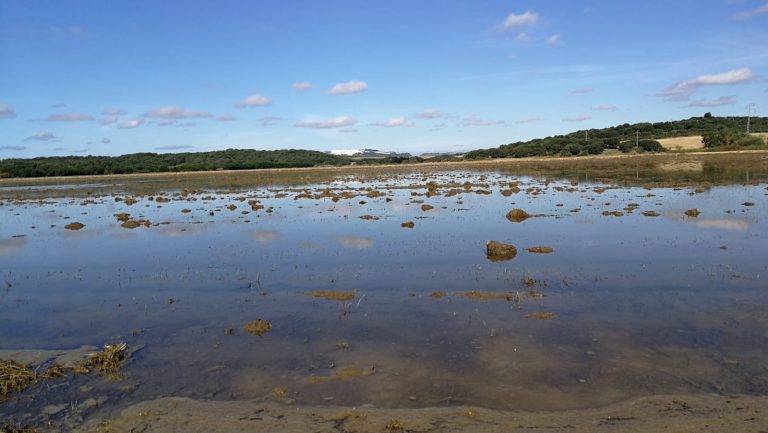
639 137
230 159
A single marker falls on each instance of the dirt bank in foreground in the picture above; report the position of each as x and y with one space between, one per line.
651 414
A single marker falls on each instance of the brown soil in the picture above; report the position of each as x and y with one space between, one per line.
657 414
437 295
518 215
496 251
333 295
74 226
426 207
692 213
541 250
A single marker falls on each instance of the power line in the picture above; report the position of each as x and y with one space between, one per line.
750 107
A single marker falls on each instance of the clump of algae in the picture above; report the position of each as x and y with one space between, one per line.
333 295
258 327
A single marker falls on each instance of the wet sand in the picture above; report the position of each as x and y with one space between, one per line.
660 414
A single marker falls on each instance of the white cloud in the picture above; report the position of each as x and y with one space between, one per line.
348 130
130 123
226 118
59 105
13 148
429 113
301 86
476 121
531 120
522 37
108 120
516 21
81 150
69 117
113 112
394 122
269 120
580 118
170 112
105 141
353 86
719 102
554 39
582 91
606 107
255 100
75 30
42 136
684 89
749 14
165 122
6 112
335 122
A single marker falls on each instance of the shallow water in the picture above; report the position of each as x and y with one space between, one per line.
642 305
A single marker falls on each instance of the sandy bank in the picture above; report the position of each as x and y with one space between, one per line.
651 414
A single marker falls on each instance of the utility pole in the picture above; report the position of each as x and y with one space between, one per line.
750 107
637 138
586 135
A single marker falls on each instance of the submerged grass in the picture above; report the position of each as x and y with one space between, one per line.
107 362
15 377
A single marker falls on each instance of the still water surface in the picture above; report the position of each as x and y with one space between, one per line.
641 305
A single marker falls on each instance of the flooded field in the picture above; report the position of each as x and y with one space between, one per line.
608 280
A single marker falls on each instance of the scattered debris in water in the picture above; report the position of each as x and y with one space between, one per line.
15 377
344 373
74 226
258 327
651 213
692 213
333 295
7 427
540 315
518 215
408 225
107 362
541 250
496 251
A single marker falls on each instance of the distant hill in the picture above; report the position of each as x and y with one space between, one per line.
368 153
622 137
230 159
593 141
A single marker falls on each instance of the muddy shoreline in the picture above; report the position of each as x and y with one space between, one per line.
501 162
649 414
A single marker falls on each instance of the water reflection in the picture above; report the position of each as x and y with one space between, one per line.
12 246
723 224
355 242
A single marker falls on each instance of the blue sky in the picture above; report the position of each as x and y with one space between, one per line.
109 78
